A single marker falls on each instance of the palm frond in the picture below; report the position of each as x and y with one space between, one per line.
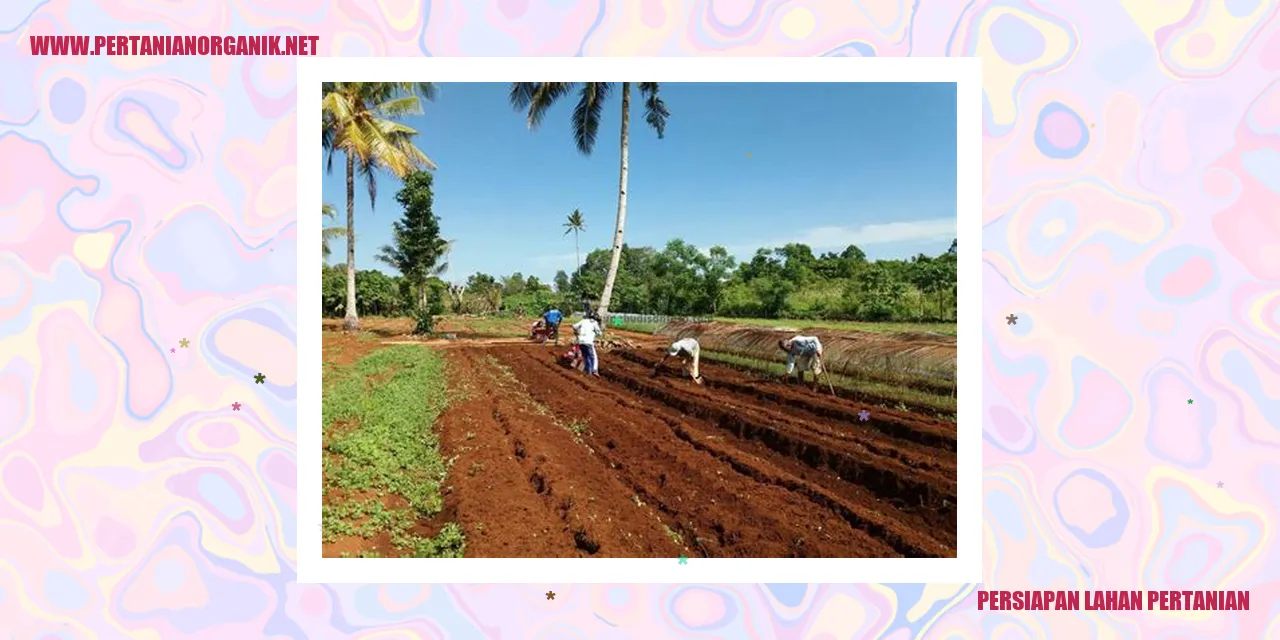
574 222
426 90
587 115
338 107
326 235
536 98
368 169
399 107
655 110
521 94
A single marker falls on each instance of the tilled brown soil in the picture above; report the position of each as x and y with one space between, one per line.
551 463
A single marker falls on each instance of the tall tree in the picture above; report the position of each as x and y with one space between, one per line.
360 120
716 268
562 281
575 224
417 251
535 98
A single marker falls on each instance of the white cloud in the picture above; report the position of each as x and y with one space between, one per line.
827 238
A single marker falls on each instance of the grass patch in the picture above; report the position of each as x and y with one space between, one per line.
638 327
673 535
888 395
377 420
485 326
578 427
948 328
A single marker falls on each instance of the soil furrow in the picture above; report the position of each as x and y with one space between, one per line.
551 463
863 512
898 424
702 493
886 477
844 436
525 488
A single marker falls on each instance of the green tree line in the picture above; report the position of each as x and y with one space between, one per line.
679 280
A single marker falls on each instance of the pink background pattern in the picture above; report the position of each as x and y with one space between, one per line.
1132 223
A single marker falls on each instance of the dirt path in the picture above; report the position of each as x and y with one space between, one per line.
551 463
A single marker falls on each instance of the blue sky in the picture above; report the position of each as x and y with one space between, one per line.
742 166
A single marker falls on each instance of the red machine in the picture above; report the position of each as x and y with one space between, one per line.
571 358
540 332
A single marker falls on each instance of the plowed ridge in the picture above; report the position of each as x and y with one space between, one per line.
633 465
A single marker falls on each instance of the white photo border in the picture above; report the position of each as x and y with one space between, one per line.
966 567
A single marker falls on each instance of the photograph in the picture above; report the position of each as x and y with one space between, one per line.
638 320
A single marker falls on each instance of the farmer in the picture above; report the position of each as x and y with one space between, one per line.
807 351
687 350
553 317
585 332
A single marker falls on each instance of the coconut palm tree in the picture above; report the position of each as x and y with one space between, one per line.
360 120
329 233
535 98
576 224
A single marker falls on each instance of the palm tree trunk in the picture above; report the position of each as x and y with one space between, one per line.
577 254
351 322
607 294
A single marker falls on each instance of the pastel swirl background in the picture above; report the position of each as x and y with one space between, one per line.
1132 223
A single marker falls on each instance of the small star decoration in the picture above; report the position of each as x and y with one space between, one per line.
235 406
684 559
183 343
1219 484
864 415
172 350
1012 319
259 378
551 595
1191 401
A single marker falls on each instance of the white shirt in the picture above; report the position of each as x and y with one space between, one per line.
587 330
804 345
687 345
801 346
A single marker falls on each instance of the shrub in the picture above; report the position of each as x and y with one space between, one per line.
424 322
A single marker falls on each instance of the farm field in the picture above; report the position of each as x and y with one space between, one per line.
536 460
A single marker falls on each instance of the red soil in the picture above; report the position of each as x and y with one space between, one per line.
552 463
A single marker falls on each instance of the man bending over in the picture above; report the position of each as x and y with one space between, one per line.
687 350
805 351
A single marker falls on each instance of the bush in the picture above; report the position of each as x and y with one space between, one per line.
875 311
424 322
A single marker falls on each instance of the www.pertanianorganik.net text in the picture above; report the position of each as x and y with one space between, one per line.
173 45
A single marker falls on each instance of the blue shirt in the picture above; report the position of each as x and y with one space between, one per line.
553 316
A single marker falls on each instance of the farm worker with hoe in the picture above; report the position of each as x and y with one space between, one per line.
687 350
586 331
552 319
807 350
